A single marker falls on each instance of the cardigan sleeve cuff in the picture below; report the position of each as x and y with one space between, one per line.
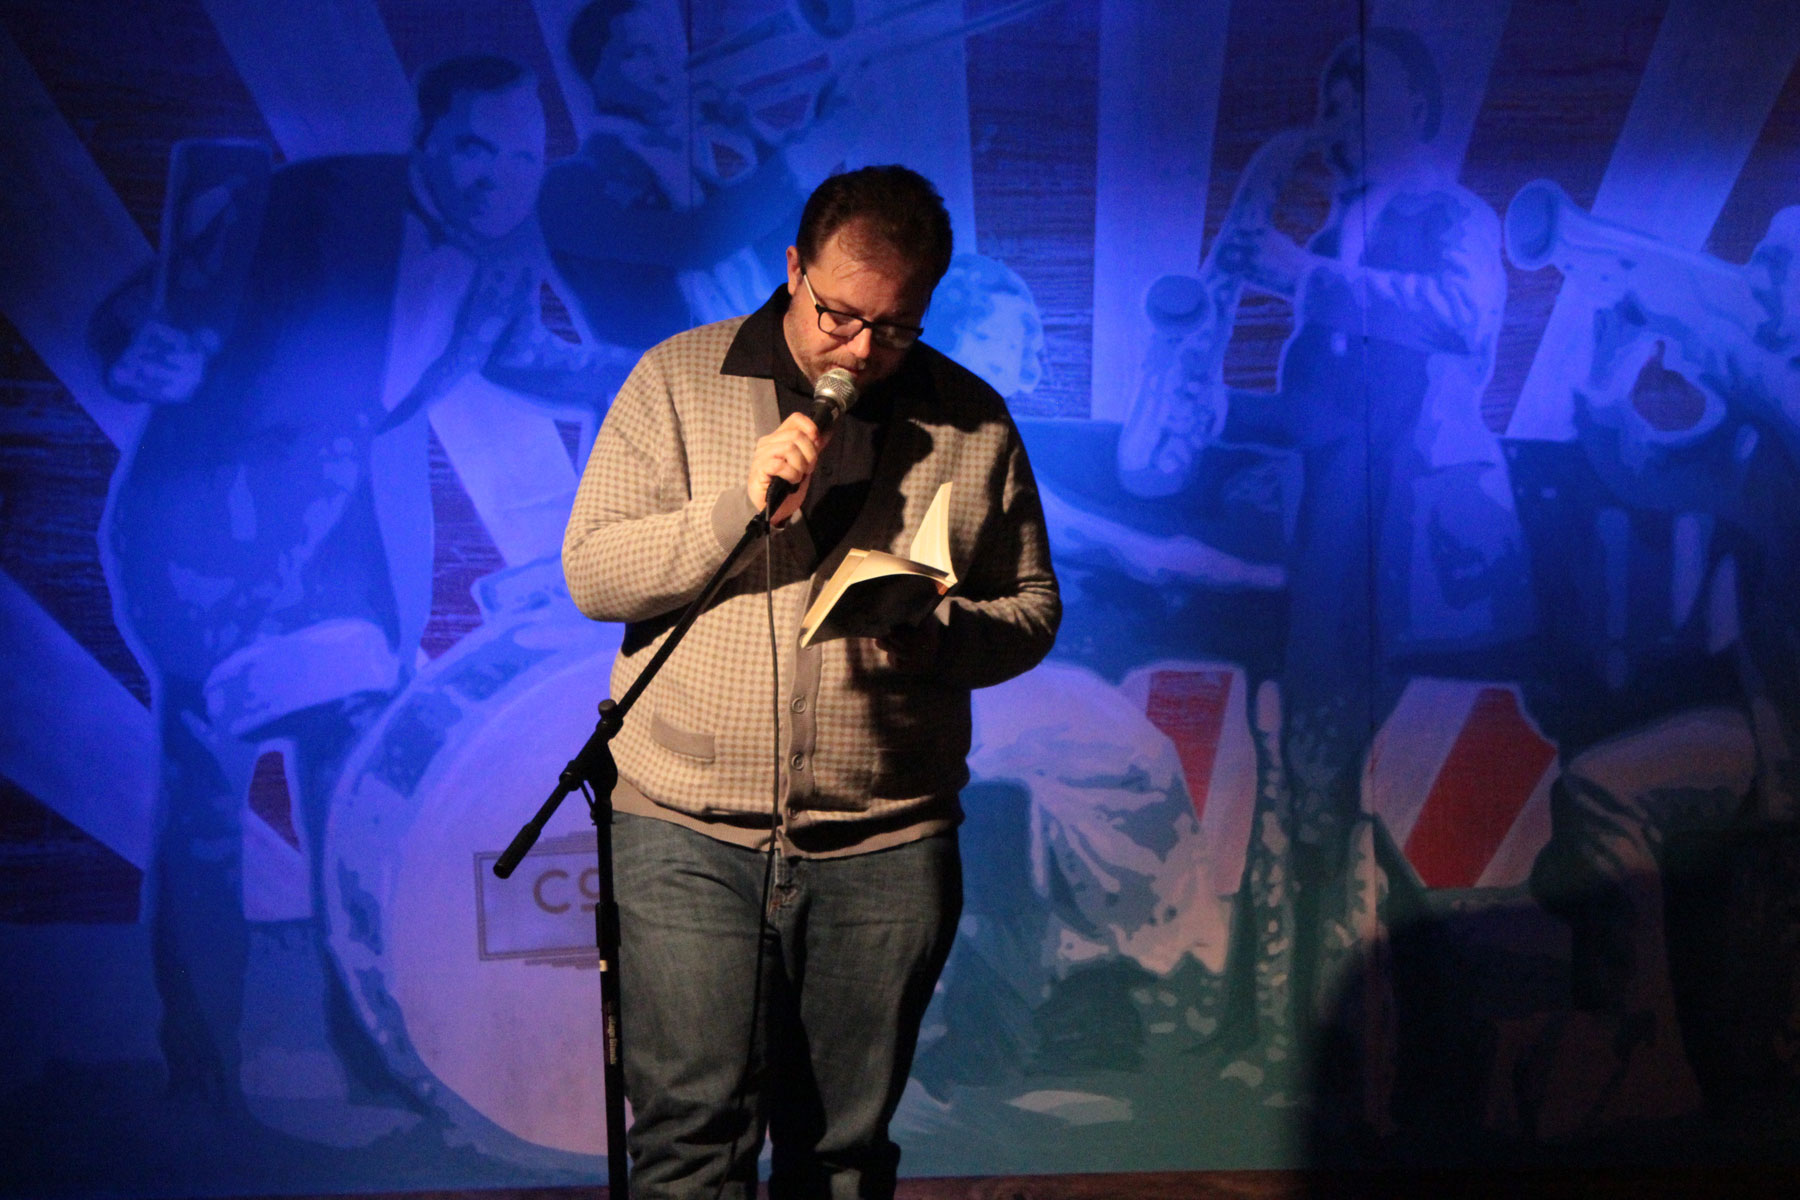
730 514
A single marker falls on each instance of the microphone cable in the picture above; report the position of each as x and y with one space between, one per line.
833 395
740 1098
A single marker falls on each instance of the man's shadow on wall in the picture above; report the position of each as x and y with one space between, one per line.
1456 1043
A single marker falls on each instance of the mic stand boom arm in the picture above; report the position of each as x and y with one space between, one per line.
594 766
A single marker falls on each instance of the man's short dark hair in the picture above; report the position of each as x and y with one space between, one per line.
591 30
441 83
1414 56
902 209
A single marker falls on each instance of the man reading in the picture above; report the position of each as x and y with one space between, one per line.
784 828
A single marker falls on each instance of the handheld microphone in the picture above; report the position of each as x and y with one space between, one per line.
832 397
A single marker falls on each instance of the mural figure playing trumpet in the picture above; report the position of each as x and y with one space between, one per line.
1682 730
653 231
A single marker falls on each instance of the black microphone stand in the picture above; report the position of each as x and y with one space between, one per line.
594 766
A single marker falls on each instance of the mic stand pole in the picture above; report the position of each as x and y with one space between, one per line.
594 766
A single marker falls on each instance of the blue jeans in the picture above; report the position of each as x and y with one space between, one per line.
849 955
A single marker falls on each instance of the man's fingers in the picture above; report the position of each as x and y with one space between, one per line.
790 462
802 423
911 647
791 453
797 454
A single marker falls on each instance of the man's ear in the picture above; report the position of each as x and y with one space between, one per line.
793 268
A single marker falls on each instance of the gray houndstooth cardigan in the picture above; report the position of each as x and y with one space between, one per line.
866 756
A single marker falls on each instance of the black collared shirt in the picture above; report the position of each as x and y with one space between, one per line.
841 482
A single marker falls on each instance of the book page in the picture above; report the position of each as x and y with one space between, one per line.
931 545
900 604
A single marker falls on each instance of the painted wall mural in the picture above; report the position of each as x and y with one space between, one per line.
1414 387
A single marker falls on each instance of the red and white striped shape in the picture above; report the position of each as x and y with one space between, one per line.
1458 774
1202 708
1461 777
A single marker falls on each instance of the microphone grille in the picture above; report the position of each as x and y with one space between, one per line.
837 387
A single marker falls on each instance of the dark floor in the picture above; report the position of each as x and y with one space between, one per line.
1724 1183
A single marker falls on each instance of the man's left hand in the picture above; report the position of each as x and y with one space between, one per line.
912 648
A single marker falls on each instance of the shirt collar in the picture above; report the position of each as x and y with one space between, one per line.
753 350
760 351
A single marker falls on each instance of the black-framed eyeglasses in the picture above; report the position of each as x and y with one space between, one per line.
846 326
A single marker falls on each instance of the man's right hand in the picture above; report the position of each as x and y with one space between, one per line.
790 453
163 364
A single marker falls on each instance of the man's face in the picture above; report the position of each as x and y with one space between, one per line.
1775 270
641 74
856 274
1375 126
995 346
484 159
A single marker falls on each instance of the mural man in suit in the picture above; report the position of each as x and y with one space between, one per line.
269 538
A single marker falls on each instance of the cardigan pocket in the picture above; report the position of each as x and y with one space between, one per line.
688 744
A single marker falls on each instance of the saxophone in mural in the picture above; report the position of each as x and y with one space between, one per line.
1193 318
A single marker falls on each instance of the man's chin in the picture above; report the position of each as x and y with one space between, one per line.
491 229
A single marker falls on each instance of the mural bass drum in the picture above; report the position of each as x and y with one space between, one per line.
482 993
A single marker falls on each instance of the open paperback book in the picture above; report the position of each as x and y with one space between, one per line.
873 592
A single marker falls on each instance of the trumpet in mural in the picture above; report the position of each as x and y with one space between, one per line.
1544 227
1708 301
1174 416
780 70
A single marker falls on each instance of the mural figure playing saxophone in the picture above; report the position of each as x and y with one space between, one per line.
1405 556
